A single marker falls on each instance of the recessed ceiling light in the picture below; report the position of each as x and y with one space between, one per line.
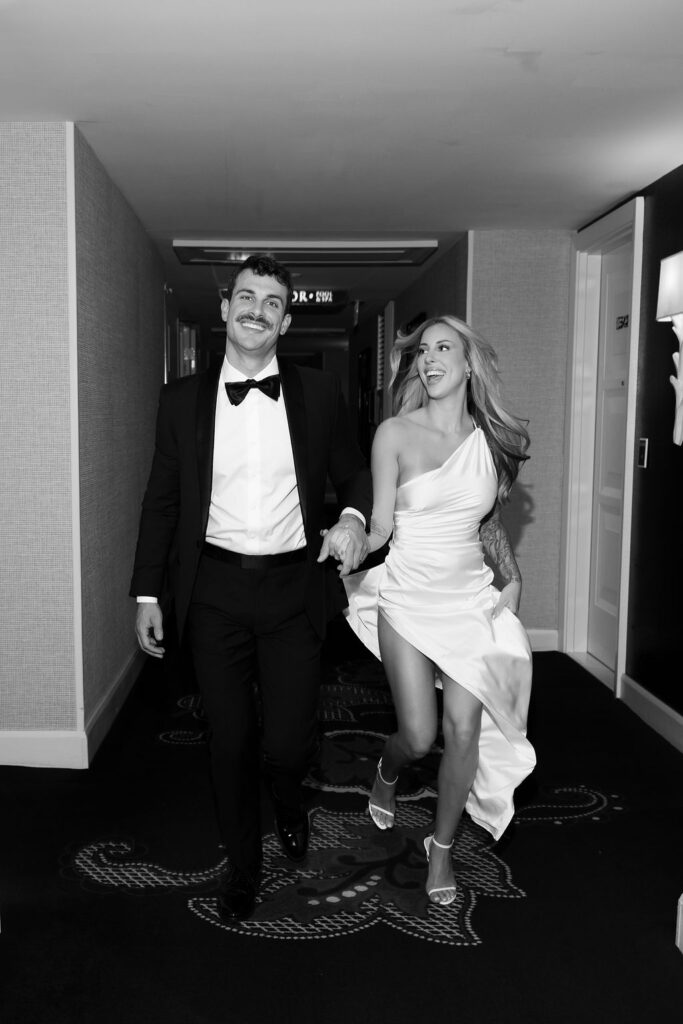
376 253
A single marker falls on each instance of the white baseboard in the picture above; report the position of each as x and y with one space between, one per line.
50 748
47 748
543 639
658 715
102 717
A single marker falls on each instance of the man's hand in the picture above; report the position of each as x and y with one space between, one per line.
346 541
509 598
149 629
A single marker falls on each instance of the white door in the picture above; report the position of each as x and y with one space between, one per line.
610 452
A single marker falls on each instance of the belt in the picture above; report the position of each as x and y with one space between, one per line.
254 561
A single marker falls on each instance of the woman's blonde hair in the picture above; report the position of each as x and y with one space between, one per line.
506 435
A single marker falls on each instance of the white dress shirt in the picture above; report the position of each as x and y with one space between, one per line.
255 507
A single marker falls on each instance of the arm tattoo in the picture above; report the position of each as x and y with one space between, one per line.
496 543
378 530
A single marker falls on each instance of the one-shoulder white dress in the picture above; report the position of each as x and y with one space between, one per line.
435 590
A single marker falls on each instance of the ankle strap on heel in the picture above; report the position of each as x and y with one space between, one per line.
441 845
381 777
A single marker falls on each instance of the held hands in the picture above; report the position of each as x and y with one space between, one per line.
509 598
346 541
149 629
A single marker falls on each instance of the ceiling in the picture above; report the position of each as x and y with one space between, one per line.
361 120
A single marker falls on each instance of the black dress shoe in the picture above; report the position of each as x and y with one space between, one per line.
293 836
237 895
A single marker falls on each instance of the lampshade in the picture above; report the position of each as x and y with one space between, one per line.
670 297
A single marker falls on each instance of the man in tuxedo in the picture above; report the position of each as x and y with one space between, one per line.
236 498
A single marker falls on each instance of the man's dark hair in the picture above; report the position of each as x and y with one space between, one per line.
263 266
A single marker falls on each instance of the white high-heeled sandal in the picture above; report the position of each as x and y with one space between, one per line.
382 818
428 840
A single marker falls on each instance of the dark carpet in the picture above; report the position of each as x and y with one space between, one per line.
108 877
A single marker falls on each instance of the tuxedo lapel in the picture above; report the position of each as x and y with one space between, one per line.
293 395
205 424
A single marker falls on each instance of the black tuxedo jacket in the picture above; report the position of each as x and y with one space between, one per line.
175 507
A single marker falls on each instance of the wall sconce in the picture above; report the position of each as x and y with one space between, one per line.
670 310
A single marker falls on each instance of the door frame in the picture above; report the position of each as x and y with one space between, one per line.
610 232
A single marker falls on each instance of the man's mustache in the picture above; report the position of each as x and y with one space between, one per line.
250 318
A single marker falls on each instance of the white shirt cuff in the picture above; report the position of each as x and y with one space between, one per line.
146 600
353 512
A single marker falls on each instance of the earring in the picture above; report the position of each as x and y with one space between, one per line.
468 373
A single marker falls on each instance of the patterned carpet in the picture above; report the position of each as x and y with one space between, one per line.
108 901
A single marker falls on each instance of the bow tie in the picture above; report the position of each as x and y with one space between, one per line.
238 390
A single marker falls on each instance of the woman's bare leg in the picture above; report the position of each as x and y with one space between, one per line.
411 678
461 726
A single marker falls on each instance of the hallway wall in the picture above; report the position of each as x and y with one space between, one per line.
120 370
520 302
441 289
82 322
39 655
653 643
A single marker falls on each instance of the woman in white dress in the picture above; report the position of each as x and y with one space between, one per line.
441 468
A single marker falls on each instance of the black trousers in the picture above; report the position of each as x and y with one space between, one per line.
252 643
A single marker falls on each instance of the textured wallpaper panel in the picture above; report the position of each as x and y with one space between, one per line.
37 680
520 302
441 289
120 371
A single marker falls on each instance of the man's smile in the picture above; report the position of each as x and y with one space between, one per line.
254 324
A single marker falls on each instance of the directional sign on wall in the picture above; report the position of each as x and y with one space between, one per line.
319 300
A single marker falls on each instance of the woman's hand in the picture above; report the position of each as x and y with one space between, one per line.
509 598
